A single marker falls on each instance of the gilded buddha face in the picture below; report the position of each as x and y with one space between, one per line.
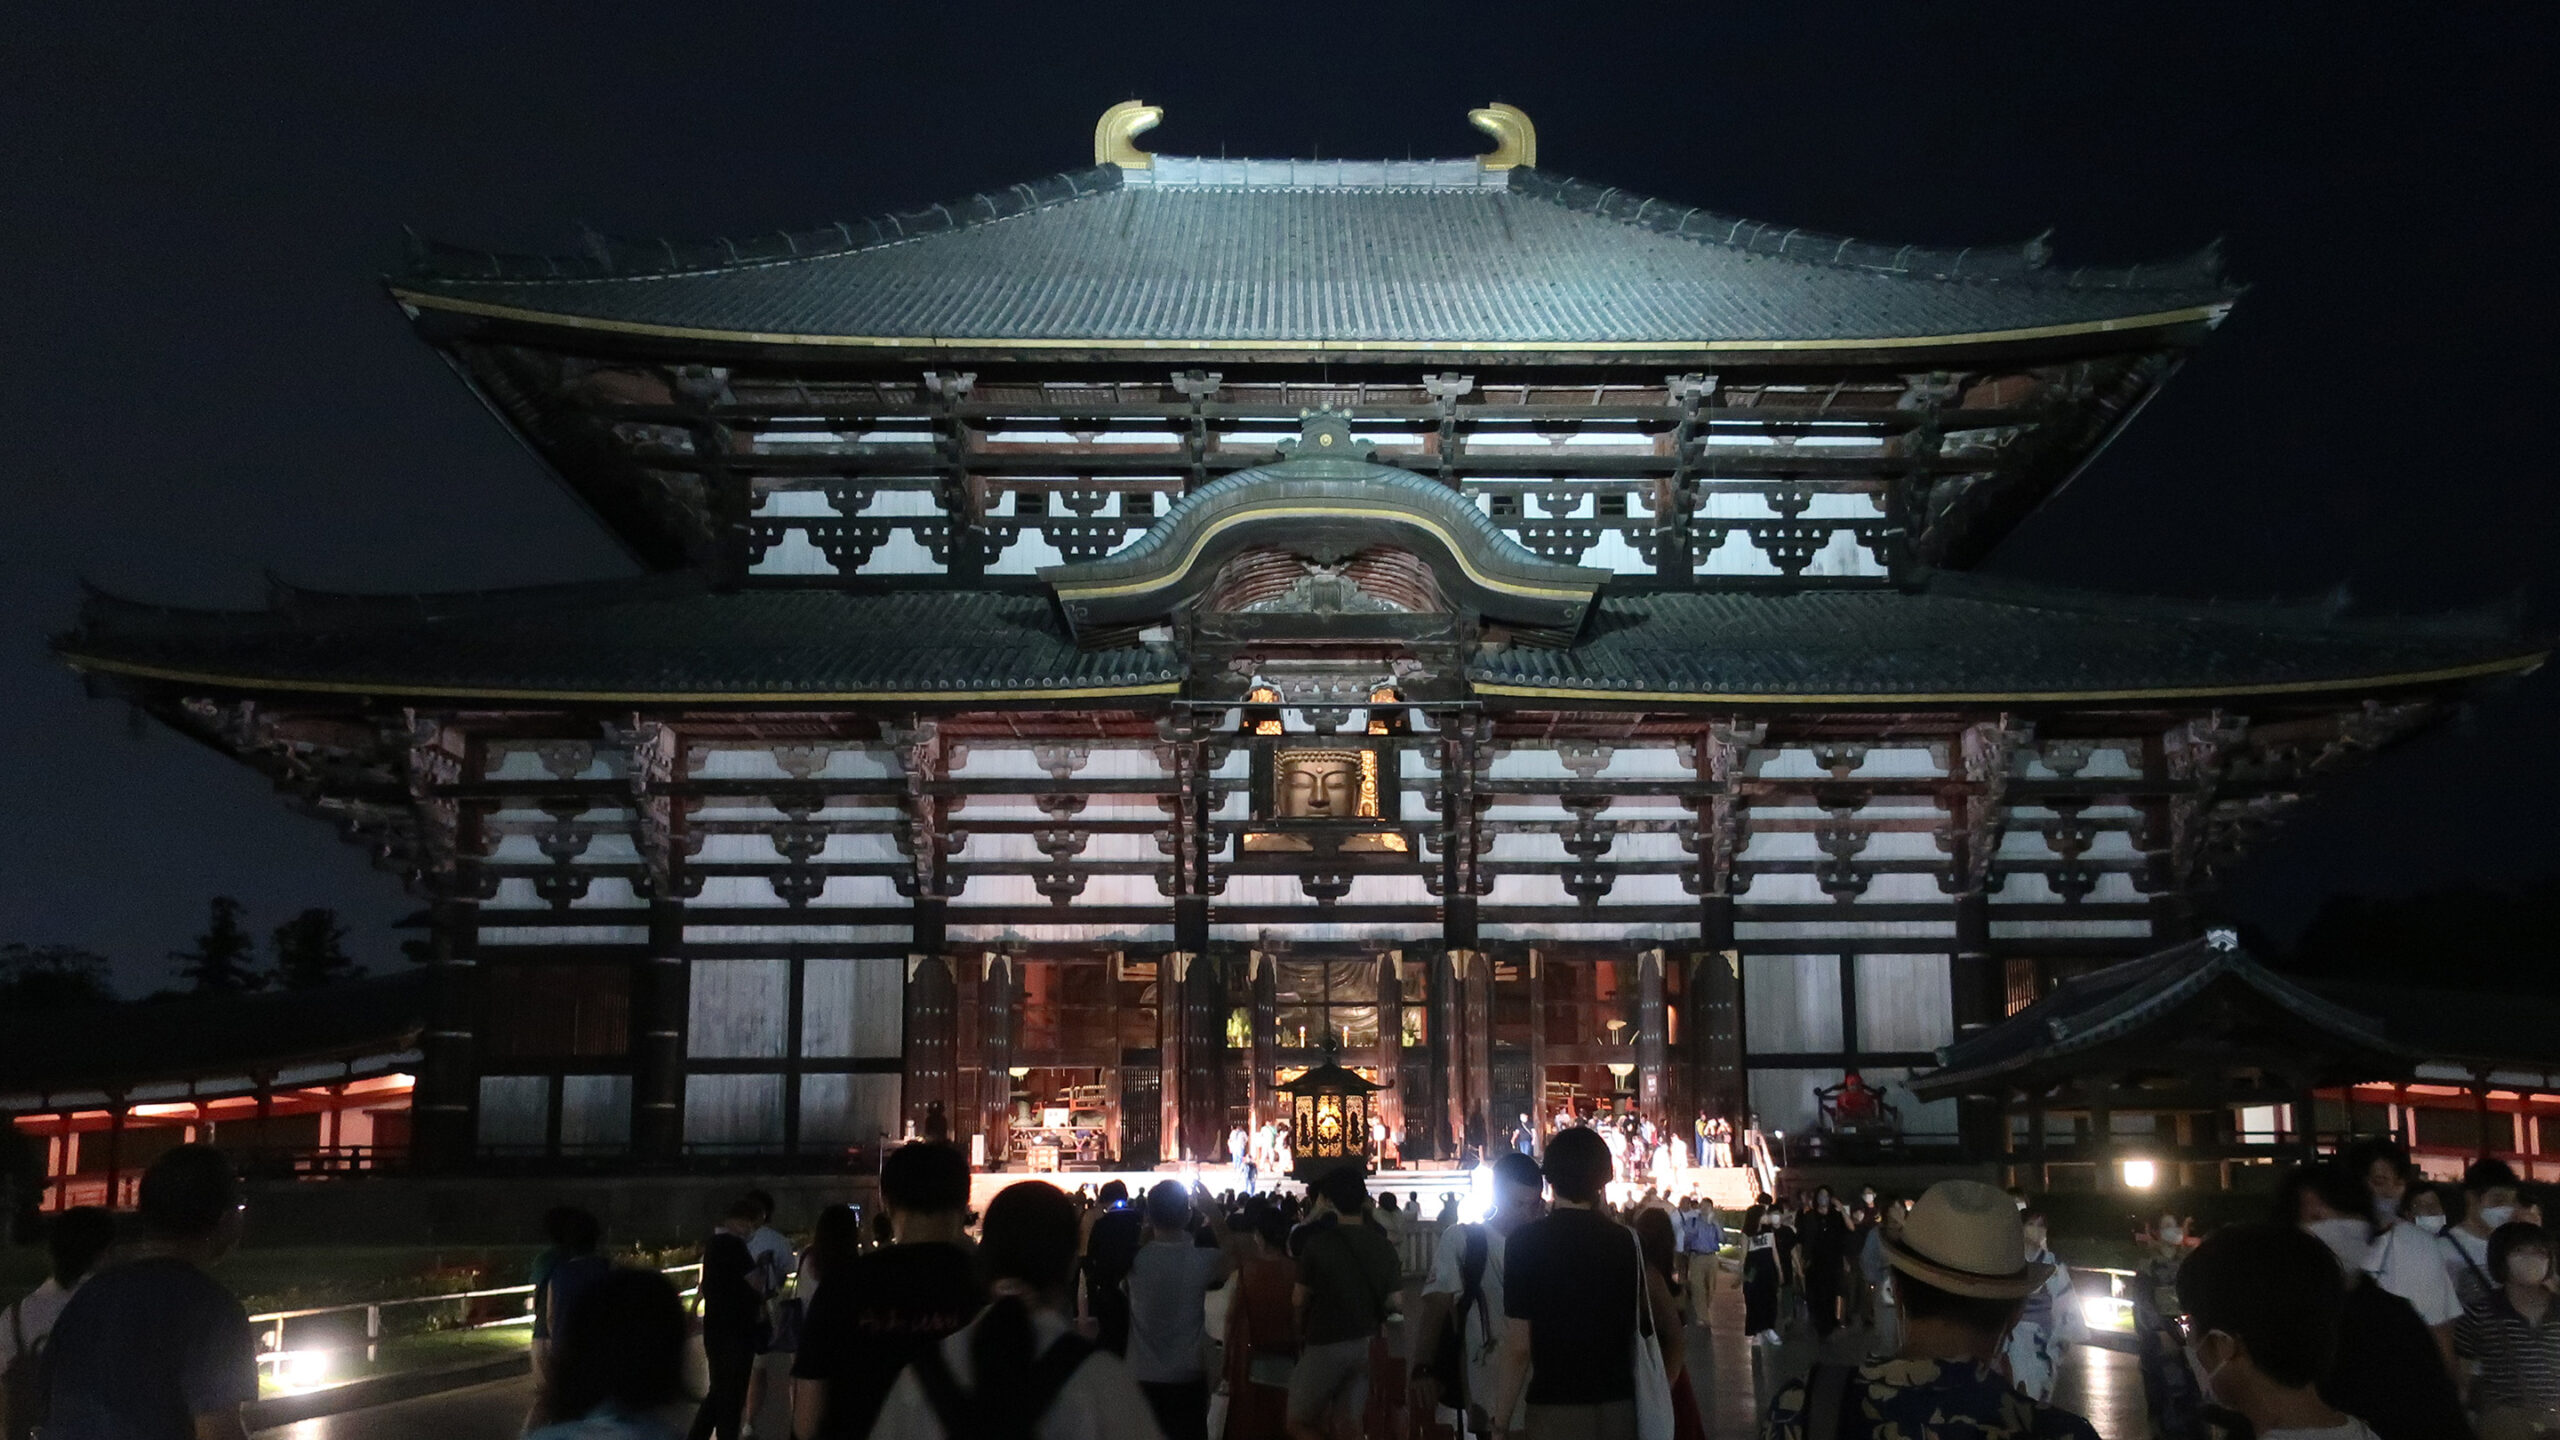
1318 784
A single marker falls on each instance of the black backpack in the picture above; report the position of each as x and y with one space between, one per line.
959 1411
1449 1357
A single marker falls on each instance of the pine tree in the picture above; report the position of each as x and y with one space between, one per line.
223 960
311 951
52 977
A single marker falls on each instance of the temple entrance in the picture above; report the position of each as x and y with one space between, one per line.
1063 1118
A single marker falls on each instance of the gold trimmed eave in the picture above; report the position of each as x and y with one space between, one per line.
2183 317
2345 685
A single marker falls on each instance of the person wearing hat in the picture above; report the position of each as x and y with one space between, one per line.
1960 1277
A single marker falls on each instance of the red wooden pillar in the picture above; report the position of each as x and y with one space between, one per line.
115 1145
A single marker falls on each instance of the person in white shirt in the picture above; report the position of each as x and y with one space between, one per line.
1043 1382
776 1258
2406 1260
76 1239
2264 1309
2489 1192
1458 1400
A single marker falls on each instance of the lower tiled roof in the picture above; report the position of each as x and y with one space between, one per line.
673 639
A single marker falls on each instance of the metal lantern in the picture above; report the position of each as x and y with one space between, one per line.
1329 1109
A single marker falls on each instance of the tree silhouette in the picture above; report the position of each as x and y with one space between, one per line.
311 951
224 960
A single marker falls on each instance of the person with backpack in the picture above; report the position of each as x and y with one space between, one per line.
877 1312
1349 1284
1573 1287
74 1242
153 1347
1960 1277
1460 1327
1019 1371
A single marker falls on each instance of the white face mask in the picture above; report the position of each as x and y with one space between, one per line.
2347 1236
2173 1234
2528 1269
2497 1215
2432 1224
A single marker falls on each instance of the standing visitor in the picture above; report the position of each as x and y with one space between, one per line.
617 1369
2045 1327
570 1268
1572 1289
2169 1390
733 1323
2264 1307
1349 1283
1654 1238
1823 1237
2387 1372
1169 1283
1111 1241
1871 1265
1960 1277
1759 1276
1240 1155
1019 1370
152 1347
2489 1196
73 1243
775 1260
834 1242
1391 1219
1524 1136
2405 1260
872 1317
1790 1258
558 1224
1262 1333
2514 1339
1461 1325
1702 1245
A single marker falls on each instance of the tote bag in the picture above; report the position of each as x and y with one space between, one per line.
1653 1383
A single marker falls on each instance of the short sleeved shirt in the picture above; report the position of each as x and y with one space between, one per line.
33 1315
1930 1400
730 1306
2519 1358
1572 1276
145 1347
1349 1268
871 1319
1480 1328
2407 1262
1168 1292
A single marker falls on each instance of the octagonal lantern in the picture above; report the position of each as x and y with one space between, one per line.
1329 1108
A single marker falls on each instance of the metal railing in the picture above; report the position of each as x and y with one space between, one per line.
271 1324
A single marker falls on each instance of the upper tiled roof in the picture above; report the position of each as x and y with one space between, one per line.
670 639
202 1037
1337 254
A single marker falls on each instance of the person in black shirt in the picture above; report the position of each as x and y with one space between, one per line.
732 1322
2388 1372
1570 1288
875 1313
1110 1247
1824 1238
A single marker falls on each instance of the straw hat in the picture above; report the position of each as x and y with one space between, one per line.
1964 1237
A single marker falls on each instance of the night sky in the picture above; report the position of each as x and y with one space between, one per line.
205 380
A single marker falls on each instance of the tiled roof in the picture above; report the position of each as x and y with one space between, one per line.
661 637
2087 1012
1331 253
1963 637
673 639
208 1036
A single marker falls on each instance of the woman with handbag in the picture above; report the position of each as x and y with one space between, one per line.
1662 1295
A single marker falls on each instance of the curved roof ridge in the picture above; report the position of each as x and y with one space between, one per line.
610 259
2026 261
2332 610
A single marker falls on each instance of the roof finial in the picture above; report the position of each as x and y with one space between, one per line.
1115 134
1515 140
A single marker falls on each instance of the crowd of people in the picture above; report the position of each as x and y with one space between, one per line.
2369 1305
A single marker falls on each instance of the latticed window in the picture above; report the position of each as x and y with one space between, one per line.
1320 998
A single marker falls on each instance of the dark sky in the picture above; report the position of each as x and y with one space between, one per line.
204 379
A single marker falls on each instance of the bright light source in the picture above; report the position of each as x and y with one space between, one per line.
301 1369
2106 1312
2140 1174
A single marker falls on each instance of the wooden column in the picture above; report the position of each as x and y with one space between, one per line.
1980 1001
1715 1004
1390 1102
932 1036
1539 980
998 998
1266 1024
448 1095
1653 1051
1478 1121
660 999
115 1144
1201 990
1172 1043
1457 1045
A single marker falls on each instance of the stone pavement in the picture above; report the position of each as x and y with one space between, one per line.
1732 1377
